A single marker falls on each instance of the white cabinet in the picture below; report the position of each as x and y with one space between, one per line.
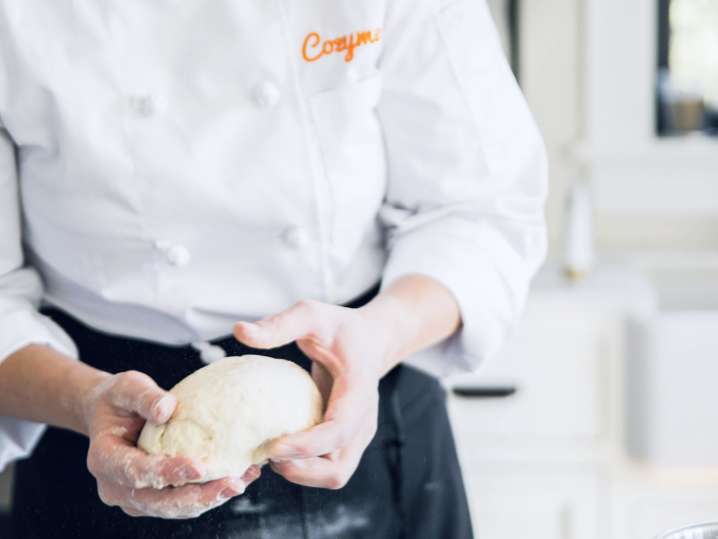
550 461
523 502
556 362
533 459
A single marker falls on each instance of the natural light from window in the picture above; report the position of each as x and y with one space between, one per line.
688 77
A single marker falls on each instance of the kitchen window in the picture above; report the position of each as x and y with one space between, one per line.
687 76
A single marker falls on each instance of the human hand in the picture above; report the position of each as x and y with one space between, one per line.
114 411
351 350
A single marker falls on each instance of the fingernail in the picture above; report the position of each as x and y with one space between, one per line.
249 327
164 407
235 488
190 472
238 484
228 492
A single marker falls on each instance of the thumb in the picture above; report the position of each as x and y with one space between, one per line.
136 392
278 330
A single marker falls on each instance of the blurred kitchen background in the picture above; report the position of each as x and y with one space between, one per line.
600 420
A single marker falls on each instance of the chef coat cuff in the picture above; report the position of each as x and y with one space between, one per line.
17 439
467 268
23 327
18 329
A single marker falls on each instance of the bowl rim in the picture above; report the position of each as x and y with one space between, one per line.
693 527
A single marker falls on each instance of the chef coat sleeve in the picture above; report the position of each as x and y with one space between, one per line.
467 172
20 292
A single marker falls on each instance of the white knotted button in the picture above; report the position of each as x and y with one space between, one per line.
209 353
142 105
176 255
267 94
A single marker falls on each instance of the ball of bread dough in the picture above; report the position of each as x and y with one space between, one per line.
229 410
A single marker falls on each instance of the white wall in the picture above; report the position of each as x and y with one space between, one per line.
550 75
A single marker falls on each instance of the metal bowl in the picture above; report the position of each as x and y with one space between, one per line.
701 531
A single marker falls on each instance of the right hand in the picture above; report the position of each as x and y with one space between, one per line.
115 411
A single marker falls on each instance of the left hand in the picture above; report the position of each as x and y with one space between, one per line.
351 351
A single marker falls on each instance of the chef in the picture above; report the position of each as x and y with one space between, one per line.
354 186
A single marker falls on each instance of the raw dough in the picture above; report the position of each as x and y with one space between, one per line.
229 410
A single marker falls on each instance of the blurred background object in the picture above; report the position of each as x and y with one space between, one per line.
704 531
578 249
598 420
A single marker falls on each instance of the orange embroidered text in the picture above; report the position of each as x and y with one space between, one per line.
315 47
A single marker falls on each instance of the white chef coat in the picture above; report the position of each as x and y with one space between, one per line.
170 167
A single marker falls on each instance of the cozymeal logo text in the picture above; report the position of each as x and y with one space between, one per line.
315 46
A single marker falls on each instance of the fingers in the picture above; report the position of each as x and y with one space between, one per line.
331 362
349 405
172 503
132 512
136 392
251 475
317 472
118 460
320 440
327 455
280 329
185 502
323 379
327 472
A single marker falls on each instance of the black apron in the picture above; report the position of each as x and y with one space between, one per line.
407 486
